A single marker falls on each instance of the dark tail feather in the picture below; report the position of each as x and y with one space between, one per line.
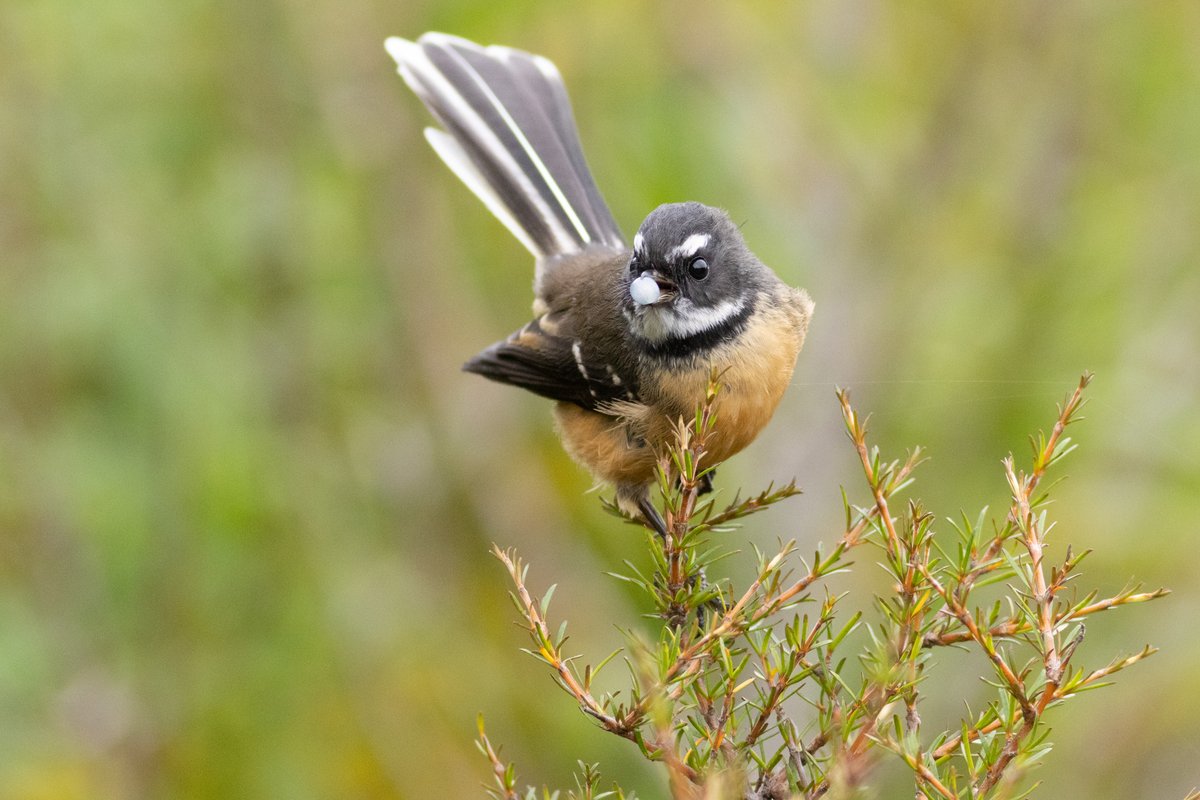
510 136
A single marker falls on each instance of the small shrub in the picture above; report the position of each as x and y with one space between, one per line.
752 694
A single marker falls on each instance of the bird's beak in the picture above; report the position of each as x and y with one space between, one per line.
666 287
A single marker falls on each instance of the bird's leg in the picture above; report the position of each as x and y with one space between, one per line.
634 502
651 515
704 485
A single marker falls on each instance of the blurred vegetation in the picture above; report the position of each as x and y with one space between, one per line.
246 497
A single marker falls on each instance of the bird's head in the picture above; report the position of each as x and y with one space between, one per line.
690 272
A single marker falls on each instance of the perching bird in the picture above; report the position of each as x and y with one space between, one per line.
624 339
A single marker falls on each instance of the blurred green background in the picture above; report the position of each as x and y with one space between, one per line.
246 496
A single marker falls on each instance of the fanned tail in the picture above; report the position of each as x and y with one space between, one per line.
510 136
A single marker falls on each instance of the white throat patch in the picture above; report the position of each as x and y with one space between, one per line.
683 319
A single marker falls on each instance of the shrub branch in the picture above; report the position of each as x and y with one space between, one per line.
750 694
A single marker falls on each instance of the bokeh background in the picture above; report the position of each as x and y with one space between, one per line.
246 496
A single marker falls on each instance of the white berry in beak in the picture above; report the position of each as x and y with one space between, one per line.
644 290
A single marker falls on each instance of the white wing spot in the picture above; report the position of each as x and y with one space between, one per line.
575 351
616 379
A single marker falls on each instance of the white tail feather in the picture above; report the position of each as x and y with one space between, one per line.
424 78
516 131
452 154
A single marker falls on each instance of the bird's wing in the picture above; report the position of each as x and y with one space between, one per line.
545 359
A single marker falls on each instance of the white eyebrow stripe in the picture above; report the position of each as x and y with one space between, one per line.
638 243
691 245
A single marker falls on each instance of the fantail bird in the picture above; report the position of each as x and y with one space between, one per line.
624 339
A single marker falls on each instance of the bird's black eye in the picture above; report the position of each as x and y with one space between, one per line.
698 269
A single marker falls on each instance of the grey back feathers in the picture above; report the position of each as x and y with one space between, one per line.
509 134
